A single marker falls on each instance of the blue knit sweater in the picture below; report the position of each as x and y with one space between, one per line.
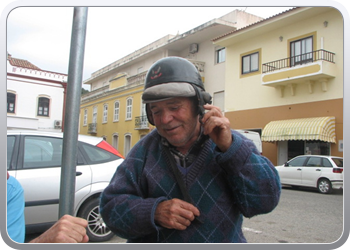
224 187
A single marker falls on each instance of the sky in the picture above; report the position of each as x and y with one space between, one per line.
42 35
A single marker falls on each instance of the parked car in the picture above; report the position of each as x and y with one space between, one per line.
34 159
322 172
254 137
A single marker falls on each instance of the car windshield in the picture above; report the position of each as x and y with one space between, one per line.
338 162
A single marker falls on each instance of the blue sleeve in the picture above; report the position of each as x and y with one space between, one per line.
252 177
15 211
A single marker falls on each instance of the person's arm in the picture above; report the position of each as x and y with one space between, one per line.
126 205
67 229
253 178
15 210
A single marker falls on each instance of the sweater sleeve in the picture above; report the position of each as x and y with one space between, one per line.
124 207
252 177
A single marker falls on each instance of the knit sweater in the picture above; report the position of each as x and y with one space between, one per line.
223 186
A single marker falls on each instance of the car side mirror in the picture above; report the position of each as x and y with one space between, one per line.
286 164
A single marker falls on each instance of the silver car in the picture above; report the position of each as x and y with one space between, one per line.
34 159
319 171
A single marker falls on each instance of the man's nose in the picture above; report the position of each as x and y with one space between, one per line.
166 117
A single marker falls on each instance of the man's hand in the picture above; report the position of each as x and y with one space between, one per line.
217 127
68 229
175 214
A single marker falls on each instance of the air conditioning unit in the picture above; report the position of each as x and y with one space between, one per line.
194 48
58 124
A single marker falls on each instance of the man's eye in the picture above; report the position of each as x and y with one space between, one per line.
174 108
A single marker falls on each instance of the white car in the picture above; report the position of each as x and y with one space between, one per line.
34 159
322 172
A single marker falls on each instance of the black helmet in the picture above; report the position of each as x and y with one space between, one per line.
174 77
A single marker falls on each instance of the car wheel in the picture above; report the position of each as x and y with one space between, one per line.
324 186
96 229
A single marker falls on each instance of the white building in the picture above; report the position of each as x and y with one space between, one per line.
35 97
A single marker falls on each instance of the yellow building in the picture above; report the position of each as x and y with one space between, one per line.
113 109
118 115
287 67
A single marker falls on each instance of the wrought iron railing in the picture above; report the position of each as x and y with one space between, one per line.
313 56
92 128
141 122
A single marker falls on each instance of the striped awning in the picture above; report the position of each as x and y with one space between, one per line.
316 128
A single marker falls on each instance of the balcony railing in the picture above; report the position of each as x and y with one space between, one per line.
92 128
141 122
313 56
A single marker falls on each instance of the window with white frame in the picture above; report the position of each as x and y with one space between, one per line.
116 111
105 113
250 63
85 117
220 55
129 108
94 115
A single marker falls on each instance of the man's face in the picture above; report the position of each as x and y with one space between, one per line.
177 121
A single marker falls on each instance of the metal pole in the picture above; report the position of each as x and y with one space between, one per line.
71 121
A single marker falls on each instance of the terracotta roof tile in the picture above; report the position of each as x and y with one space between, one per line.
21 63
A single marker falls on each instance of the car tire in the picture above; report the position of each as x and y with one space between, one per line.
324 186
96 229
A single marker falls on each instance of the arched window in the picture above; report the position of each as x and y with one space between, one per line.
43 106
105 113
127 144
116 111
129 108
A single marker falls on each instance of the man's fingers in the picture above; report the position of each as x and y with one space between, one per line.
175 214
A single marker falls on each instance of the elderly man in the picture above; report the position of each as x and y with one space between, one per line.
193 178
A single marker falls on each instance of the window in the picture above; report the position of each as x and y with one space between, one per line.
96 155
297 162
43 106
85 117
10 148
94 115
115 141
128 109
11 102
301 51
250 63
116 111
220 55
42 152
314 162
105 113
127 144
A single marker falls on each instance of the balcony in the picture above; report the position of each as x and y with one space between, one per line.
141 122
92 128
309 68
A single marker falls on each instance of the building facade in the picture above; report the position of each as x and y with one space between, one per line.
114 110
284 79
35 97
